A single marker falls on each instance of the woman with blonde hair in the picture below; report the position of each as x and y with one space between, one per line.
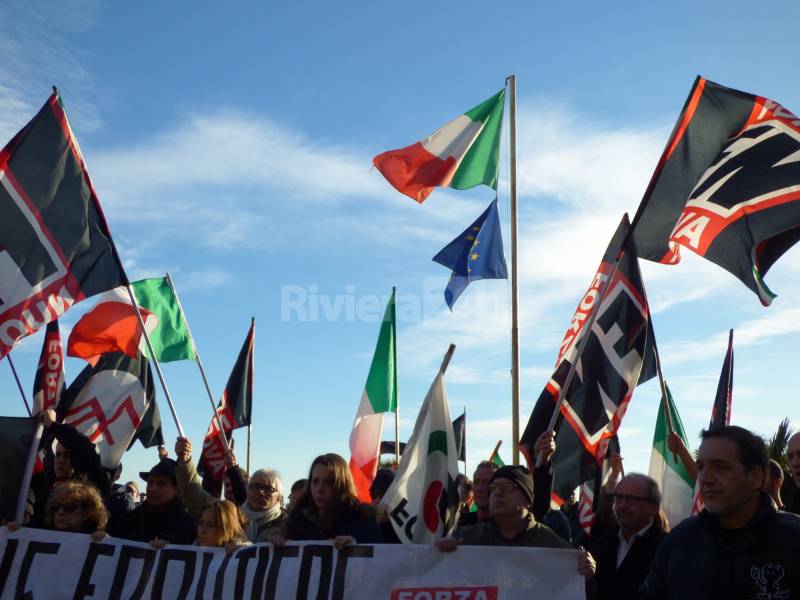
221 524
329 508
77 507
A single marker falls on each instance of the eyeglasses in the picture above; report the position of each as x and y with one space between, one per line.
261 489
67 507
505 488
617 498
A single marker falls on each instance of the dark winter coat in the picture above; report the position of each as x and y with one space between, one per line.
623 583
173 523
357 522
699 560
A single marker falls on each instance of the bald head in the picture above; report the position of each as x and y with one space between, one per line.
793 456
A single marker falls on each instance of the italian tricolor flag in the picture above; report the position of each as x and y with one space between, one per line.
674 480
379 396
461 155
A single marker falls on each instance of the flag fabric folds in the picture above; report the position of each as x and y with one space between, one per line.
475 254
727 186
423 499
57 249
113 404
721 413
617 356
111 325
462 154
460 435
379 396
673 479
235 409
16 437
50 379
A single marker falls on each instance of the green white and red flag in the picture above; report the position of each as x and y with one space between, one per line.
462 154
673 479
379 396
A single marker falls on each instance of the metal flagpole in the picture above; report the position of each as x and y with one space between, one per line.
248 447
19 385
396 391
154 359
512 84
26 481
199 365
464 445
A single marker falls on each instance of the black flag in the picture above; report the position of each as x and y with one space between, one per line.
234 409
460 433
16 437
727 186
49 383
617 356
113 404
721 413
55 248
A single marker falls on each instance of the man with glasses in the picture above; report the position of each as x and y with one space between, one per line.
511 521
740 547
624 554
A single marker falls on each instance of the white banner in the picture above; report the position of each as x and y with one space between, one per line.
49 565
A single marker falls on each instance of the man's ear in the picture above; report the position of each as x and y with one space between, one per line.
758 478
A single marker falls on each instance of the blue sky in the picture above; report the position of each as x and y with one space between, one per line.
232 147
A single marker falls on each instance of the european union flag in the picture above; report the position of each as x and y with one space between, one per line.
475 254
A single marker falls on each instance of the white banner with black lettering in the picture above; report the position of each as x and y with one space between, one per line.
38 564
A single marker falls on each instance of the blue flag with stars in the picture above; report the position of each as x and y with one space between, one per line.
475 254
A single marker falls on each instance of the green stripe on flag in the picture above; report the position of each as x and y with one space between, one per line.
437 440
381 384
662 433
480 163
171 340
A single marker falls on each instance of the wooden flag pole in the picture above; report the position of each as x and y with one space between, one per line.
587 329
154 359
512 84
446 361
19 385
248 448
200 366
252 382
465 439
396 390
22 500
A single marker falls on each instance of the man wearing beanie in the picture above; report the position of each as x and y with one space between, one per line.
511 522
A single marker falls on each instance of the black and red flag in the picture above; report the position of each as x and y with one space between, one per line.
727 186
234 410
617 356
55 247
113 403
721 413
50 380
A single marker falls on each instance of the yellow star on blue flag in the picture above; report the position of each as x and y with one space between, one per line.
467 261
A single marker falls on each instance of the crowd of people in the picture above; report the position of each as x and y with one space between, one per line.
744 544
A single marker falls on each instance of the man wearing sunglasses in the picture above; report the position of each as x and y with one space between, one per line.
624 554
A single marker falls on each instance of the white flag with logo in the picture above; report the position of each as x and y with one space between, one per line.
422 501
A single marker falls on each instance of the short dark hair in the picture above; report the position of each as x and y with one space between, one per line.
487 463
751 448
775 469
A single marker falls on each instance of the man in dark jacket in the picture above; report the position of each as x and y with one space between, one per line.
793 457
625 553
162 515
740 547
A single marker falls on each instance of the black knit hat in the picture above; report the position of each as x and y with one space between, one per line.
520 476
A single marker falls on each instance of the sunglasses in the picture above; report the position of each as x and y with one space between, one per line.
262 489
67 507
